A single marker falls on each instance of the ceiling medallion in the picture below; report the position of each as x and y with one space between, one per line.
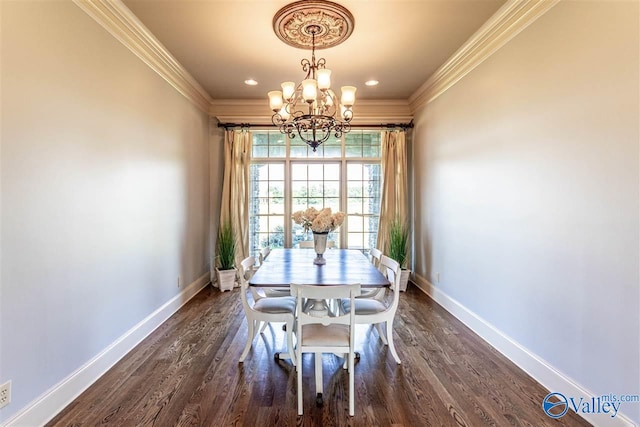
297 23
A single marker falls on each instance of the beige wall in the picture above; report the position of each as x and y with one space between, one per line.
105 194
526 201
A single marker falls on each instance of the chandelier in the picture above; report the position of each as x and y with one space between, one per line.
311 109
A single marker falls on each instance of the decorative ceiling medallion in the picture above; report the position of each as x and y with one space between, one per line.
294 24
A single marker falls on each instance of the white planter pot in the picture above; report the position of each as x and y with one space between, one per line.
404 279
226 279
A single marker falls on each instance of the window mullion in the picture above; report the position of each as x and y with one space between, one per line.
343 195
287 196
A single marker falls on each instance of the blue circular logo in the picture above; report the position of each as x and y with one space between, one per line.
555 405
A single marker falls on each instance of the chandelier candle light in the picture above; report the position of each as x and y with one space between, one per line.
311 109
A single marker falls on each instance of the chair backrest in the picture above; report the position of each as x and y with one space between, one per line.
246 269
374 256
264 253
325 292
308 244
391 269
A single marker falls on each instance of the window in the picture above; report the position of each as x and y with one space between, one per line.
286 176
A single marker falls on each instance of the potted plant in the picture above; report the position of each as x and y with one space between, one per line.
226 255
398 247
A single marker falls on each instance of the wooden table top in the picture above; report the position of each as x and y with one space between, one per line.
343 267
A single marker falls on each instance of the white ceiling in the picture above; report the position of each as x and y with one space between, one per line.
398 42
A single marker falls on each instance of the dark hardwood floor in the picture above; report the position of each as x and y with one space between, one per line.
187 373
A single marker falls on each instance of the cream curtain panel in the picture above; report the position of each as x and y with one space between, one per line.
393 203
235 188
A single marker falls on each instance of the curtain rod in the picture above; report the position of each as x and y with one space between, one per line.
403 126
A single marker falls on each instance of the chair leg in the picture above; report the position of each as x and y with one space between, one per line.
264 326
381 334
390 339
251 325
351 385
290 348
299 371
318 362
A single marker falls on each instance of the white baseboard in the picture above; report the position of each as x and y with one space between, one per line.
543 372
47 406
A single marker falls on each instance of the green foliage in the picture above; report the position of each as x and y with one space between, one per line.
398 242
226 246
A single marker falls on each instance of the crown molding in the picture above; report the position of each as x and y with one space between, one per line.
506 23
256 111
513 17
116 18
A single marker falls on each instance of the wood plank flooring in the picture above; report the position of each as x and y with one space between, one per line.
187 374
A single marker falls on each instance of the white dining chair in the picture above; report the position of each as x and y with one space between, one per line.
326 334
264 253
271 292
265 310
374 311
308 244
374 257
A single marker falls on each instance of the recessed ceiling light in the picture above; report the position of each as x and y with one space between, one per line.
371 82
250 82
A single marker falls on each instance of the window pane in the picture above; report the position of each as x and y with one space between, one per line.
354 171
260 139
298 171
316 202
277 151
370 206
263 188
333 203
354 188
316 188
259 151
332 171
276 189
316 171
331 188
276 172
298 150
371 151
355 241
299 189
268 144
298 204
332 152
354 206
263 208
277 205
355 224
353 144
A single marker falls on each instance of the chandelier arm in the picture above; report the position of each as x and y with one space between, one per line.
306 66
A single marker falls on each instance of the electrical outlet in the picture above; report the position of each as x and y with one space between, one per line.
5 394
179 281
437 277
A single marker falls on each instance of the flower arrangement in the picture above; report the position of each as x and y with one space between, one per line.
318 221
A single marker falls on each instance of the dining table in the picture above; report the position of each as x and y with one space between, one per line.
344 266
